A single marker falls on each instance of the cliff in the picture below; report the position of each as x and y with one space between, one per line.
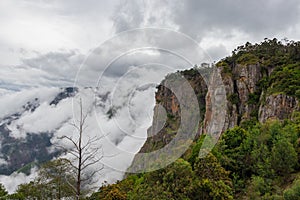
167 112
259 82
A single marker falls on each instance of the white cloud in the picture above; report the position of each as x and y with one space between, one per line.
13 101
37 122
11 182
45 26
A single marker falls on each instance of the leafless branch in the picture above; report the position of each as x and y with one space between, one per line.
85 153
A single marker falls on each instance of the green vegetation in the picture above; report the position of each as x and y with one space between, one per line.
286 80
261 162
233 98
253 98
283 59
247 59
293 193
3 191
177 181
54 181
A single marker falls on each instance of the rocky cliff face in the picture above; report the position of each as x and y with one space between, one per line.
256 83
245 100
248 99
243 92
278 106
167 112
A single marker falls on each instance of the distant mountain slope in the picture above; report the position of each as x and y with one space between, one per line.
22 144
32 120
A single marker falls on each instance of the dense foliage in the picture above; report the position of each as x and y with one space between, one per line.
261 162
54 181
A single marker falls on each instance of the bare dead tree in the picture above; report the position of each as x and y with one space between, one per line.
86 154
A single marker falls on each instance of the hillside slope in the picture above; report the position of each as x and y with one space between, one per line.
257 157
259 86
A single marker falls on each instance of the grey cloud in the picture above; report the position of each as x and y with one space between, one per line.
227 23
18 78
61 64
73 7
253 17
215 19
51 69
217 52
147 13
128 15
139 47
198 18
114 57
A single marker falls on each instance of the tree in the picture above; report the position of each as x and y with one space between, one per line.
173 182
259 187
284 157
214 181
234 152
293 193
29 190
55 178
261 159
85 154
112 191
50 183
3 191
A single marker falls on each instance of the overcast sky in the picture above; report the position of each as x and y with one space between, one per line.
48 40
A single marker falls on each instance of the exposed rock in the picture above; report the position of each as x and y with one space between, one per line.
260 81
232 114
168 109
176 120
31 106
278 106
216 104
234 96
239 85
67 92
